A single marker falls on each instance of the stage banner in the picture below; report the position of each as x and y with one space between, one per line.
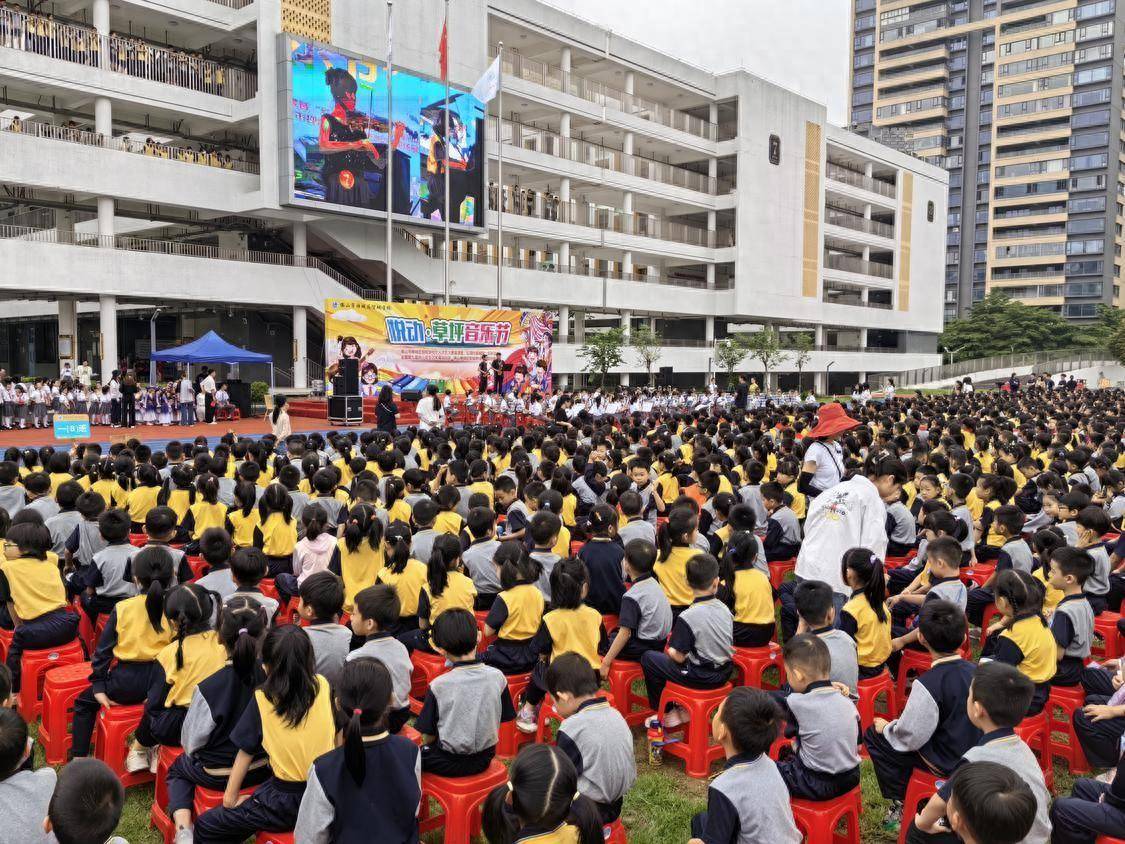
411 346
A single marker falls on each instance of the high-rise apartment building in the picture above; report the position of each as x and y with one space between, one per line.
1020 100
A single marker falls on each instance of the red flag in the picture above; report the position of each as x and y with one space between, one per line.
443 51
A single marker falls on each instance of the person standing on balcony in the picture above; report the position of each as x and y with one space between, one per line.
207 385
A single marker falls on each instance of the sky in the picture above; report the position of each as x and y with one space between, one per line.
803 45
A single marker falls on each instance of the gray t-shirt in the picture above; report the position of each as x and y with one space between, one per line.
600 743
331 643
23 804
478 561
753 790
394 655
845 657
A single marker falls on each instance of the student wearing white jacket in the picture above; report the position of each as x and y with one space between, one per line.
852 514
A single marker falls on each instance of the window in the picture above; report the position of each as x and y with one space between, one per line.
1079 206
1097 30
1085 247
1083 268
1092 74
1084 288
862 41
1090 118
1081 311
861 115
1033 106
1087 140
864 77
862 97
1095 10
865 22
1032 65
1093 54
1088 162
1086 98
1033 168
1088 183
1015 48
1093 225
863 60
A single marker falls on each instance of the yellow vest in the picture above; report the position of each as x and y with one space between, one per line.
292 750
525 605
140 501
577 630
459 593
136 640
753 597
35 585
361 568
204 654
243 525
1040 652
279 537
407 584
872 637
672 574
207 515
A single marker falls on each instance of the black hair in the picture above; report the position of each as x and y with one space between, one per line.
215 545
362 524
446 551
242 624
246 496
1073 561
152 567
114 525
1022 591
424 513
455 631
249 566
1093 518
324 593
276 499
31 538
67 495
160 521
677 531
90 505
190 608
38 483
314 519
363 694
943 626
947 549
1003 691
571 673
702 570
516 565
291 682
568 578
87 802
869 569
994 802
398 537
543 790
379 603
480 522
1011 518
630 503
943 521
641 555
809 654
813 599
13 741
752 718
545 527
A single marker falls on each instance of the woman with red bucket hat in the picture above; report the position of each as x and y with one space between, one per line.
823 467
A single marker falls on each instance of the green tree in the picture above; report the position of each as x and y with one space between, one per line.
765 346
602 352
801 347
1100 334
998 325
1116 343
646 343
729 353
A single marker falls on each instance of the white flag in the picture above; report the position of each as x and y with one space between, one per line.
489 84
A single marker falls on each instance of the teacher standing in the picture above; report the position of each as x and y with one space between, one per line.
386 411
823 467
128 400
207 385
279 420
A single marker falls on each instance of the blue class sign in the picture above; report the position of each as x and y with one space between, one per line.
72 426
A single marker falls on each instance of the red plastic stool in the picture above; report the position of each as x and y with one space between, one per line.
158 814
913 663
269 589
818 819
138 540
34 665
287 613
409 732
113 728
5 642
274 838
632 706
780 568
460 799
1105 839
61 688
1107 641
485 639
207 799
614 833
750 666
990 612
869 691
1036 734
1068 700
978 575
922 786
427 667
511 737
695 747
610 623
199 567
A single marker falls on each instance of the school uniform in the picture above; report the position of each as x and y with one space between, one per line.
109 577
1093 809
84 542
449 521
219 580
291 751
845 659
904 615
384 647
1096 586
646 613
277 537
61 527
872 636
422 544
1030 647
358 569
463 710
932 732
242 525
478 564
704 634
408 587
201 516
637 528
826 724
12 499
600 744
517 517
604 558
336 809
672 574
547 560
332 507
747 803
270 605
459 593
902 530
1072 626
44 506
171 687
36 591
578 630
121 666
1013 554
139 501
516 616
783 535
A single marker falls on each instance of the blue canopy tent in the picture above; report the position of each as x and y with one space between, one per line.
211 348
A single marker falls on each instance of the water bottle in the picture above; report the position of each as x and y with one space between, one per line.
656 743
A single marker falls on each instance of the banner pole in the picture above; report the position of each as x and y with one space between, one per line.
447 243
390 180
500 178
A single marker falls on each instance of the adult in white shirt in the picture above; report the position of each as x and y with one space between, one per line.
853 514
823 467
429 409
208 386
185 395
84 373
114 394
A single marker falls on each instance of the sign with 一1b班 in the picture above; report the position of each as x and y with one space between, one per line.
72 426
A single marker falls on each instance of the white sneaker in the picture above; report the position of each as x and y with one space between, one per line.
676 716
139 759
527 721
184 835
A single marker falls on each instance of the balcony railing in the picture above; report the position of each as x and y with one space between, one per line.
541 73
836 217
123 54
127 243
858 180
69 134
573 149
550 207
852 264
233 4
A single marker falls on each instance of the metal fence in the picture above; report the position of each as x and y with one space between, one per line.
1058 360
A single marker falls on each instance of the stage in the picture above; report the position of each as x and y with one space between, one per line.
317 408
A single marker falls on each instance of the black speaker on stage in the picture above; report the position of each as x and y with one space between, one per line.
240 396
347 410
411 396
349 369
664 377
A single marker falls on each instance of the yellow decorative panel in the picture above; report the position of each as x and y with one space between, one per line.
905 223
811 253
311 18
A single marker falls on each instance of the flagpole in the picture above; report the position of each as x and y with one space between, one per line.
390 180
447 242
500 178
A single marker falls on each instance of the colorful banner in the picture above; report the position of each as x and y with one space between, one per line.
411 346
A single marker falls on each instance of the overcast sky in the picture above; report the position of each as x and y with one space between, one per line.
801 44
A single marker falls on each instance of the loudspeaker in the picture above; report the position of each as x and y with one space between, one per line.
347 410
412 395
240 396
664 377
349 369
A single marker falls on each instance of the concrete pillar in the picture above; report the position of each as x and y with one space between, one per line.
564 124
564 323
867 211
627 145
863 338
627 323
867 253
101 26
564 257
868 169
627 212
709 330
107 326
300 347
579 327
105 220
68 327
300 239
103 116
629 82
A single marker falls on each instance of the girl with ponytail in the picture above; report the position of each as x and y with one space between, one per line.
541 793
446 587
216 706
194 654
865 617
107 486
276 533
517 612
394 496
369 761
290 717
1024 639
404 573
135 633
206 512
358 557
675 542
